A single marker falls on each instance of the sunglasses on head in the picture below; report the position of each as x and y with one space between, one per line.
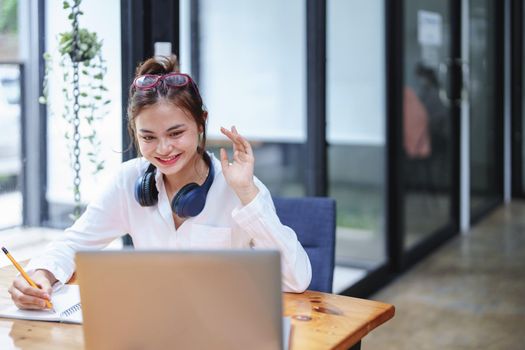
150 81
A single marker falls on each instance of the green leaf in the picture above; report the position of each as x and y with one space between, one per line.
65 5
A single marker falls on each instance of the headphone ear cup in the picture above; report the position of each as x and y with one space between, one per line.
189 201
146 193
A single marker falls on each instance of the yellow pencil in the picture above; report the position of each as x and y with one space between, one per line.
24 274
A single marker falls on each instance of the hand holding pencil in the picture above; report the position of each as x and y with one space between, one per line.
30 292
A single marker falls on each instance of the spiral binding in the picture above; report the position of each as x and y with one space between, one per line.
70 311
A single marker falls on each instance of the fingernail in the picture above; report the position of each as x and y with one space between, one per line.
42 304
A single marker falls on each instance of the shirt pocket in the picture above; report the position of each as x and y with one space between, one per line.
210 237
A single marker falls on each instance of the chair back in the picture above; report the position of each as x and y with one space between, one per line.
313 220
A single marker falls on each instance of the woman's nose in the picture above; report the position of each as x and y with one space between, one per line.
164 147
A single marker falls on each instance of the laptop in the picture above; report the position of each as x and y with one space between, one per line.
181 299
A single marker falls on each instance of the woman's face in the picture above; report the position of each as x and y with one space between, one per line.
167 137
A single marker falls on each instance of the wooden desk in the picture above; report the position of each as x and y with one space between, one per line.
319 321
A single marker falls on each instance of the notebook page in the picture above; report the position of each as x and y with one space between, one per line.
65 298
66 302
11 311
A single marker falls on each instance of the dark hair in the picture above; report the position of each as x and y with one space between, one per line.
188 97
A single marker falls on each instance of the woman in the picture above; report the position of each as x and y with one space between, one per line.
175 195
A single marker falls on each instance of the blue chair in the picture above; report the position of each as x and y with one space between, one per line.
313 220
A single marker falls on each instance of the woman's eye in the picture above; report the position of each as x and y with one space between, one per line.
176 133
147 138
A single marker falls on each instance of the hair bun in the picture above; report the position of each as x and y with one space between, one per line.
159 65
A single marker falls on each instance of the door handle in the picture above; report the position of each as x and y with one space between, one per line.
443 68
465 77
465 80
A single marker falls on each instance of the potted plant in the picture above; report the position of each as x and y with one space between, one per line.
83 69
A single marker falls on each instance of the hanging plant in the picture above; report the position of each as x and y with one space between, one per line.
82 85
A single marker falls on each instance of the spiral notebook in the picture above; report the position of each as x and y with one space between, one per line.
66 308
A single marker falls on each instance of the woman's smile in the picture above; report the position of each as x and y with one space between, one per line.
167 161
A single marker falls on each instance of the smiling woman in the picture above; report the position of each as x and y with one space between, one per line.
175 195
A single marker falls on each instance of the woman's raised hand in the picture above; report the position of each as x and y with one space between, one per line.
239 172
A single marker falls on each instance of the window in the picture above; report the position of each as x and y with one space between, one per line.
252 75
60 175
356 133
10 120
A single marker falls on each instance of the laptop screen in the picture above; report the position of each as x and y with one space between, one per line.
181 299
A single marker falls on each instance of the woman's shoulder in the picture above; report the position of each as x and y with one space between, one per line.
134 164
132 169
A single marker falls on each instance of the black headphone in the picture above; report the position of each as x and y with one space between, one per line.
189 201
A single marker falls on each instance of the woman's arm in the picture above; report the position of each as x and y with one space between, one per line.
258 218
104 220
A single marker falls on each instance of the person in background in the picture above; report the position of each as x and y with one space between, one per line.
175 194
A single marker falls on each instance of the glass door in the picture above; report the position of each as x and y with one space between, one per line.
356 151
485 114
428 171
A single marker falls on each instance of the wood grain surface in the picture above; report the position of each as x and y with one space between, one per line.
319 321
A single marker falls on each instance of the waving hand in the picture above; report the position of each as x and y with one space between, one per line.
239 172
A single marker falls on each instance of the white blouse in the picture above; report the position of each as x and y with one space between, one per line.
223 224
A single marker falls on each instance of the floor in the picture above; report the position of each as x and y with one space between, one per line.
467 295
